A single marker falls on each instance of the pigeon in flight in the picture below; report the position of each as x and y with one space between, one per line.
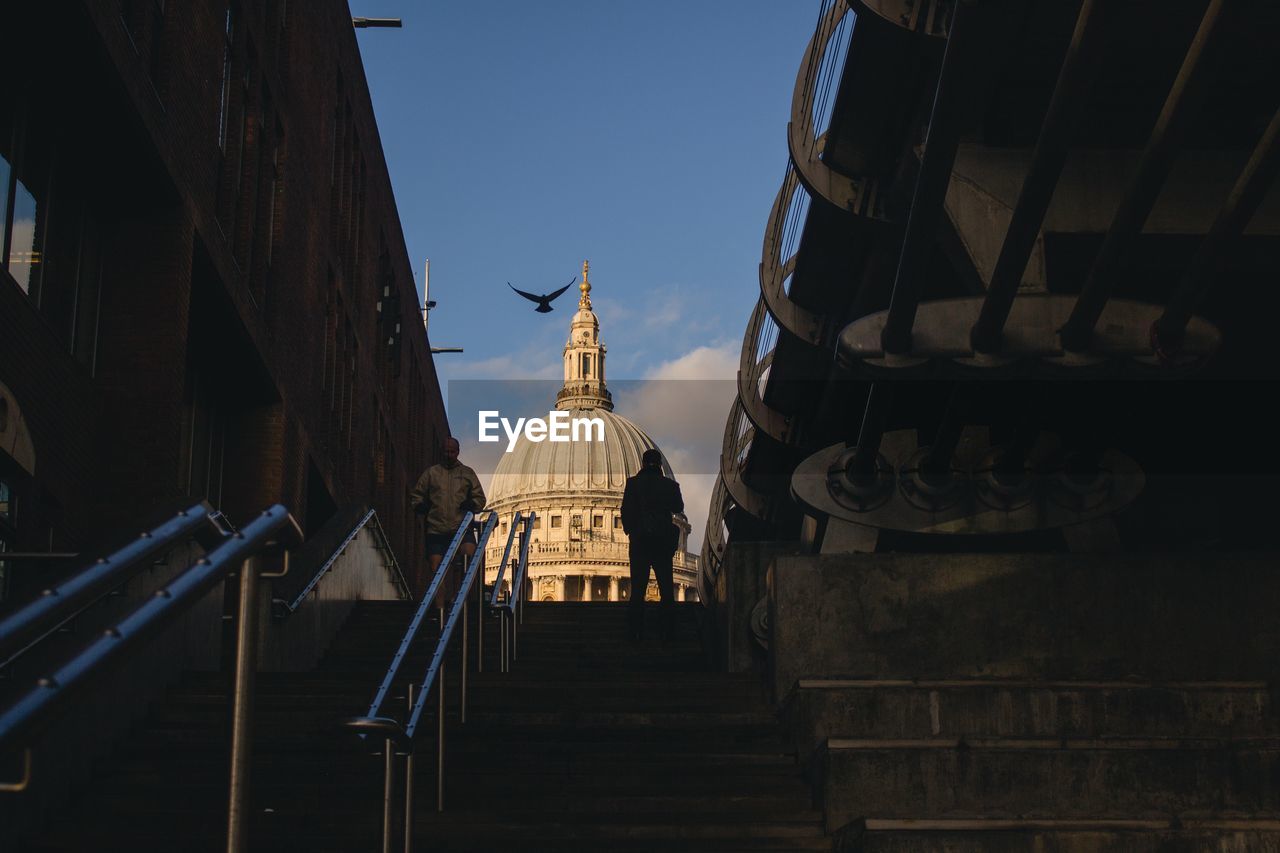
544 301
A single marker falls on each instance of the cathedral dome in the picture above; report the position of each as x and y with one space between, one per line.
573 467
579 550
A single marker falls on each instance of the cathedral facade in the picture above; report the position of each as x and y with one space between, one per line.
579 551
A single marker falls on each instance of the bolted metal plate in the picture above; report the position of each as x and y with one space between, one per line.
975 504
941 334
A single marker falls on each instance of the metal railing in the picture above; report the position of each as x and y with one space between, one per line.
58 605
511 610
283 608
226 553
406 736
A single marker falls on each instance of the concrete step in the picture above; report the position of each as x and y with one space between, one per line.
1061 836
1050 778
818 710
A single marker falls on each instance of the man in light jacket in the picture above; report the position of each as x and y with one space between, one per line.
444 493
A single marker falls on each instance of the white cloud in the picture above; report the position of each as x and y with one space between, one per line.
682 404
705 362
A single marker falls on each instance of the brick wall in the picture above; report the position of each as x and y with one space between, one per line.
226 254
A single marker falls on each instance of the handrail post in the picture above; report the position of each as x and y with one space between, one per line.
440 740
408 792
242 705
388 780
462 709
480 622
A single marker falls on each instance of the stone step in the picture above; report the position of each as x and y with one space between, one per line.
818 710
1061 836
1049 778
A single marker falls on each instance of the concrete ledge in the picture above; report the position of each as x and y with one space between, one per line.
1154 617
1137 778
969 708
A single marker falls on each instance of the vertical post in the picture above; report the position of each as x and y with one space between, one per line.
480 622
242 705
408 788
389 757
440 739
502 630
462 711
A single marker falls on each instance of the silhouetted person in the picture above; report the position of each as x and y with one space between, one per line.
648 503
444 493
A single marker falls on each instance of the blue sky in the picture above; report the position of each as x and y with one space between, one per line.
648 137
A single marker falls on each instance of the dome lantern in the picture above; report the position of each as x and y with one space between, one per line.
584 385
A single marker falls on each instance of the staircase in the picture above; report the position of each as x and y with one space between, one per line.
590 743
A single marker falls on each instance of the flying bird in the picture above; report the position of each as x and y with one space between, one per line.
544 301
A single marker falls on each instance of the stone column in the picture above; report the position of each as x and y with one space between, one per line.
559 587
613 587
680 592
586 587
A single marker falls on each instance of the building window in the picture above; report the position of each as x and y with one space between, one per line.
576 521
597 521
537 522
556 521
24 182
617 523
504 528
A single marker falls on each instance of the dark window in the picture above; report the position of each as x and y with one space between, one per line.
617 523
555 521
25 171
597 521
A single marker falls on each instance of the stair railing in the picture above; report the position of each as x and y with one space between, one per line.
404 737
510 609
284 608
225 553
58 605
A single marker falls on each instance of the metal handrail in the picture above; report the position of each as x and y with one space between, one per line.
59 604
511 611
287 608
494 600
415 624
446 633
403 737
20 721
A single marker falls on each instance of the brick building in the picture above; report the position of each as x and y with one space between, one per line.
206 289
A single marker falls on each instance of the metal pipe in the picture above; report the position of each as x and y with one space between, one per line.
971 29
936 464
874 417
440 741
1145 186
408 791
462 711
418 618
39 704
242 705
1079 70
387 783
59 603
480 624
1241 204
503 631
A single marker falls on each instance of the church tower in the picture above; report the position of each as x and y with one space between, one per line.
584 386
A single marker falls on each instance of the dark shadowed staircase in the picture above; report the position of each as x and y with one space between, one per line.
590 743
